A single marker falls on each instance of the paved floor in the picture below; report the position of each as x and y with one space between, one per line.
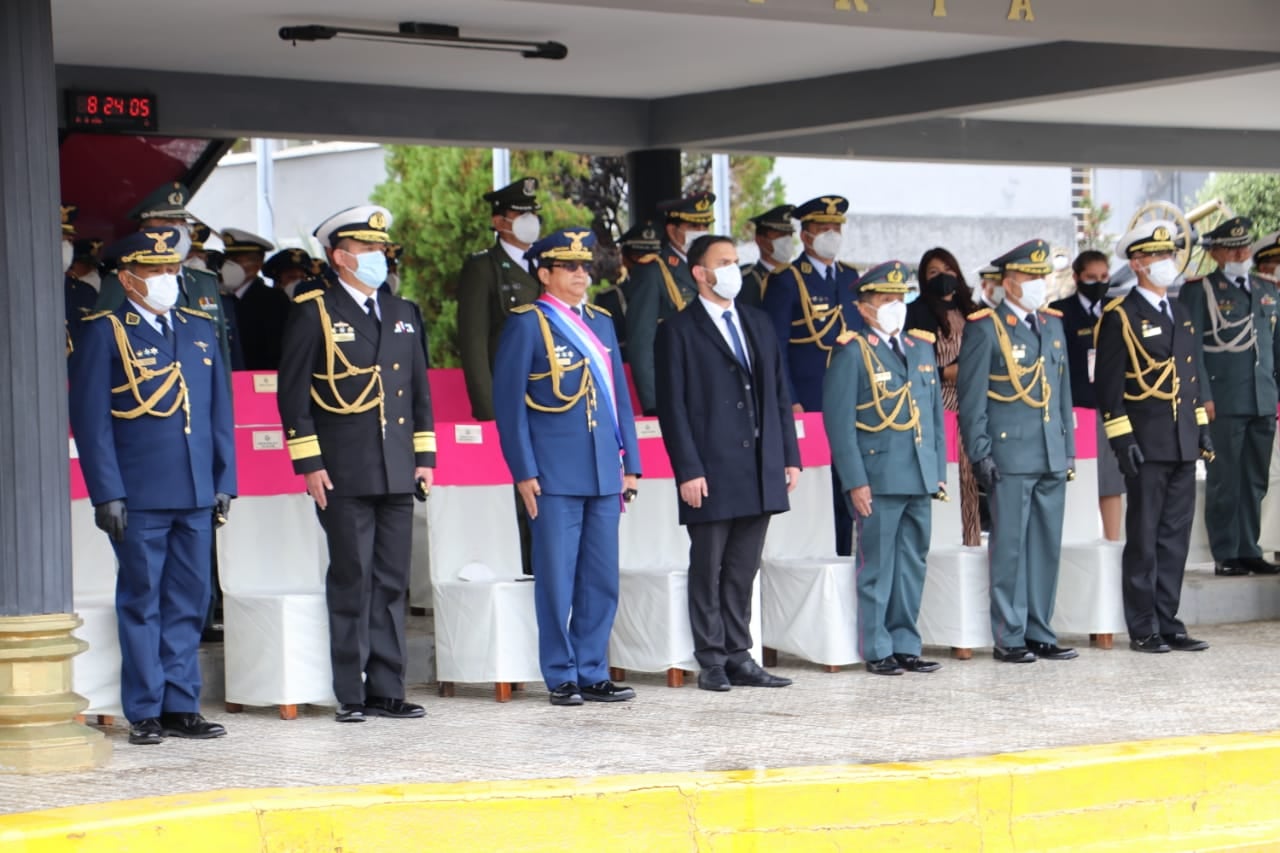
970 708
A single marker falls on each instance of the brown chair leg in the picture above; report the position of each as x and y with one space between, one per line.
502 691
445 688
962 654
1103 641
675 677
106 720
417 611
769 656
288 712
234 708
831 669
617 673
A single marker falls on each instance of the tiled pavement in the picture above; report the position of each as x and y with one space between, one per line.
968 708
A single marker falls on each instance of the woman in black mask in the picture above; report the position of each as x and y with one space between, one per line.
944 303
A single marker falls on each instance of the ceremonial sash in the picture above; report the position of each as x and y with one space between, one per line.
573 327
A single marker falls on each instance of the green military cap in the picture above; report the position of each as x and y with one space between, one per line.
1230 234
696 208
69 214
167 201
777 219
1032 258
393 251
1266 249
237 241
989 273
641 238
889 277
518 195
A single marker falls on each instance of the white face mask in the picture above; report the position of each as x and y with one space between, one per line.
1033 293
233 275
689 238
68 252
892 316
783 248
827 244
728 281
162 291
997 294
196 263
393 281
1237 269
1163 273
92 279
526 228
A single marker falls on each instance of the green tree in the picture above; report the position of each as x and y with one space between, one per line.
1254 195
755 188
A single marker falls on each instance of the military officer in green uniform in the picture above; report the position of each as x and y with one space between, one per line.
882 408
1266 257
776 242
1016 424
640 245
166 207
664 287
493 283
1237 315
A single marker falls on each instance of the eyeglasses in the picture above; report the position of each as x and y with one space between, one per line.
572 266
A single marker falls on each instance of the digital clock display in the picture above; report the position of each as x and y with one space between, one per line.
101 110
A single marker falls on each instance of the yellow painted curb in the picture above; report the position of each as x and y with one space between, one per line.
1214 792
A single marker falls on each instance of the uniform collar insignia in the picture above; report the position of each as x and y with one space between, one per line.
132 319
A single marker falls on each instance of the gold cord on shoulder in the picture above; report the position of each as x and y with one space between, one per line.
1165 370
811 317
372 395
880 395
135 374
586 387
1033 375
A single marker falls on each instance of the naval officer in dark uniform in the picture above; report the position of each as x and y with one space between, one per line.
892 461
1016 424
151 413
568 435
776 242
1152 397
1236 313
356 409
260 309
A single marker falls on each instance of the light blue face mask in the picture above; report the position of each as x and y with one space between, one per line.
371 268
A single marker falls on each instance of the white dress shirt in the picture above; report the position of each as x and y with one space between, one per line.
515 253
1154 299
717 316
360 299
151 317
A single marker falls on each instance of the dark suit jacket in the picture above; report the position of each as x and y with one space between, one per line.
1079 326
710 410
260 316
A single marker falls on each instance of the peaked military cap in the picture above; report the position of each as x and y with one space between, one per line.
393 251
990 272
167 201
148 246
69 214
889 277
1266 249
238 241
641 238
1032 258
1230 234
521 195
367 223
827 208
698 208
199 233
1149 238
86 250
567 244
777 219
287 259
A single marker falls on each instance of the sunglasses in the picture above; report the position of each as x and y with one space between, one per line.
572 266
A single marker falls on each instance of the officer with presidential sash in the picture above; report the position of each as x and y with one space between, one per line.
776 243
655 291
568 435
151 412
1016 424
1237 314
883 416
810 302
1151 395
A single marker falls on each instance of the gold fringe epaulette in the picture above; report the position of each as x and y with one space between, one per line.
195 312
522 309
845 337
1113 304
927 337
979 314
308 296
97 315
596 309
1052 312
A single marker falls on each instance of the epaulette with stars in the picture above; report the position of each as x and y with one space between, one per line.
596 309
522 309
927 337
847 336
1052 312
979 314
195 312
97 315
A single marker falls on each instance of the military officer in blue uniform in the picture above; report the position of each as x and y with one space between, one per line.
776 243
810 302
77 261
1016 424
656 290
1152 397
356 409
1236 313
151 413
882 407
568 435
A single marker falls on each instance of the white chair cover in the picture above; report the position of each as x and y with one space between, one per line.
96 671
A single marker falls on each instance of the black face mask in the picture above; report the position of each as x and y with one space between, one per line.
943 284
1093 290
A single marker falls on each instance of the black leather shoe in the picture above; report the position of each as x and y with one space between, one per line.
191 726
607 691
915 663
1152 644
566 694
714 678
1229 569
1014 654
885 666
384 706
349 713
146 732
1051 651
749 674
1259 566
1184 643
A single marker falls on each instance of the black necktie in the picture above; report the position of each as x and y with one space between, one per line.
165 329
1031 322
831 275
371 305
577 310
897 350
1164 309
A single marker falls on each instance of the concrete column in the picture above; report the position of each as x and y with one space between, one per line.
652 176
37 707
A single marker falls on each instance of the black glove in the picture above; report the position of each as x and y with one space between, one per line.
111 518
1130 458
1206 446
420 490
221 509
986 472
